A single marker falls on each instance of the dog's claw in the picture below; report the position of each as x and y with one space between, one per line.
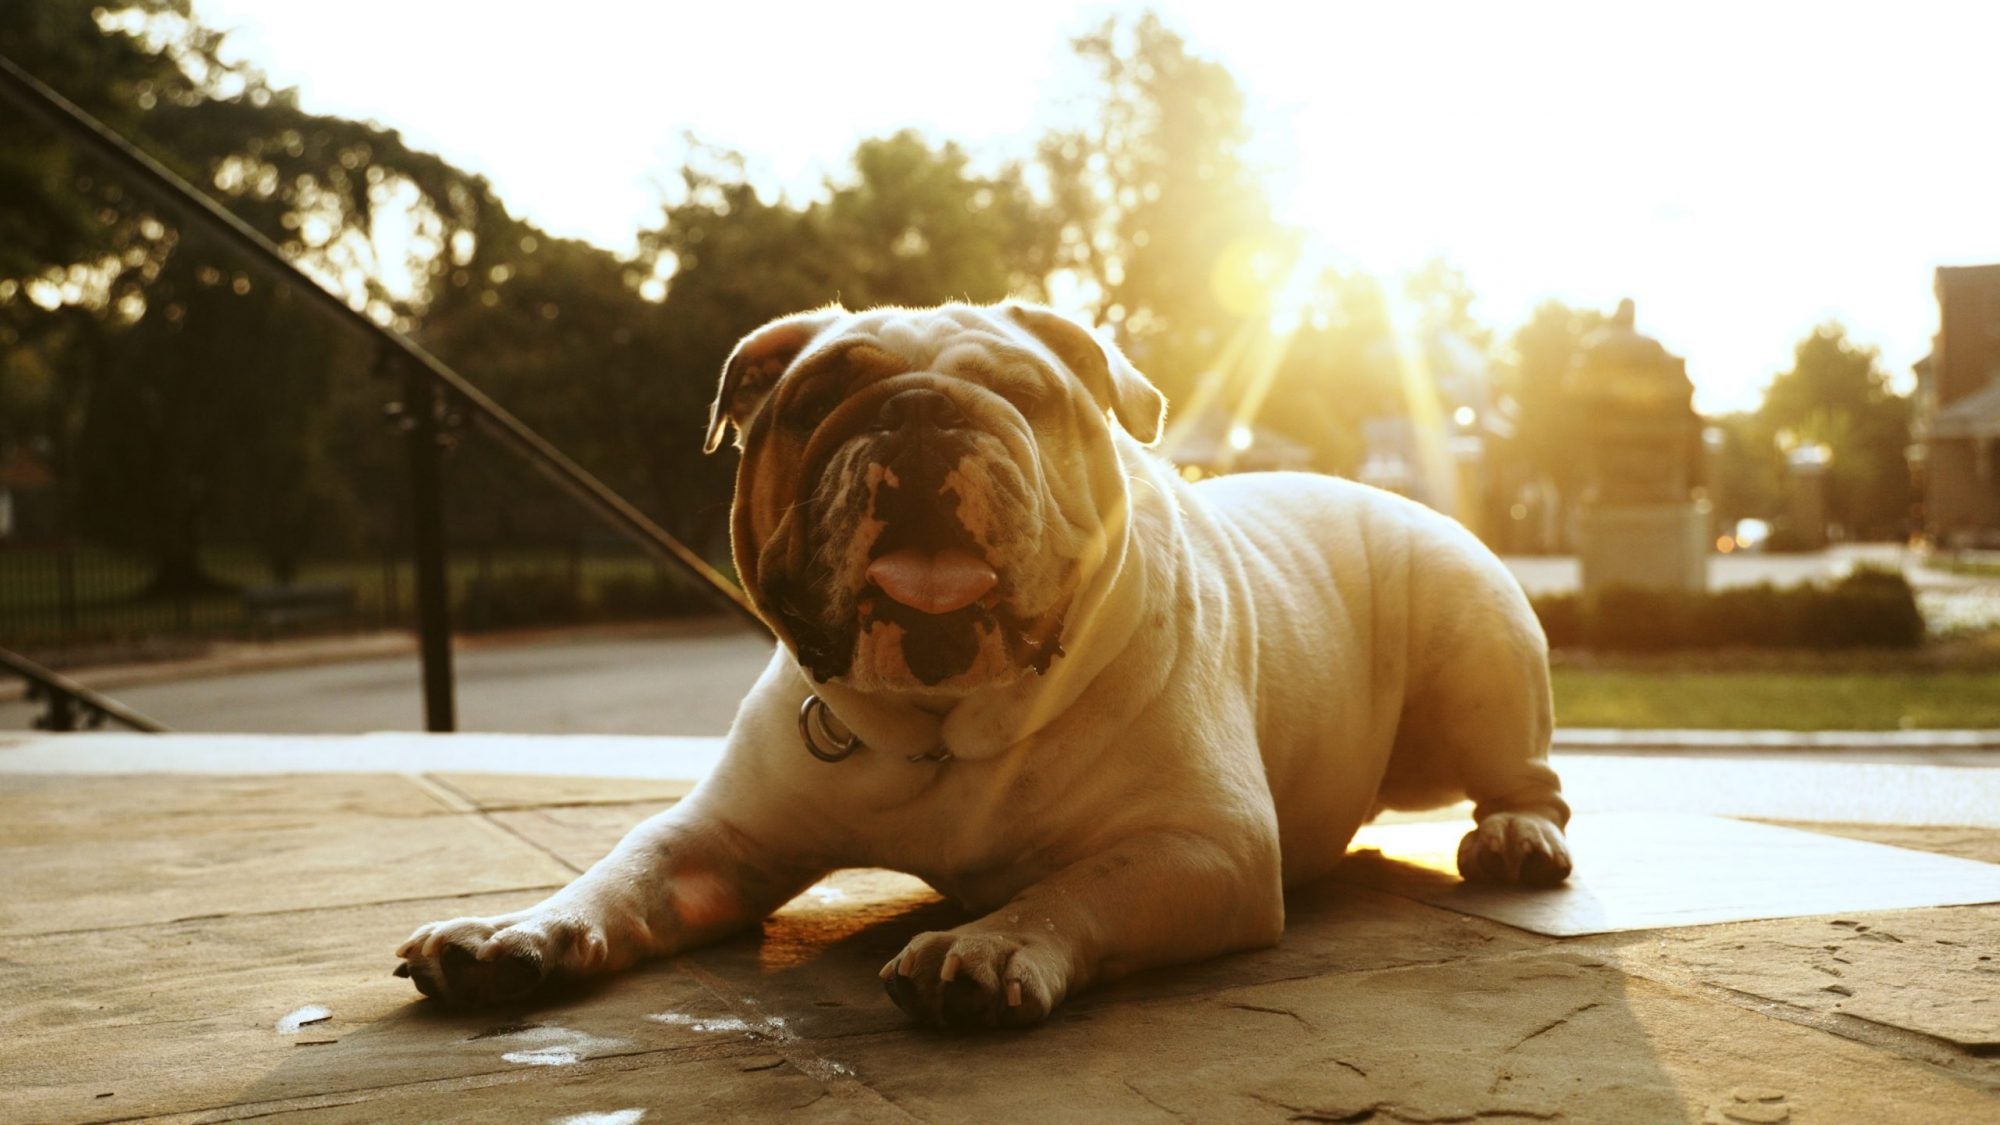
402 970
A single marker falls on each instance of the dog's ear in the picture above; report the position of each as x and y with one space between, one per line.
754 367
1117 385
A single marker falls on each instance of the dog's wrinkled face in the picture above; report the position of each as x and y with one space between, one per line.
921 492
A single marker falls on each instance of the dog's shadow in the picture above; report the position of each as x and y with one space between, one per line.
807 977
811 969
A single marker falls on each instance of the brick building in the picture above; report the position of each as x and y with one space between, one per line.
1958 411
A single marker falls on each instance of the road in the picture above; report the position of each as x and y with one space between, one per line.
678 679
684 679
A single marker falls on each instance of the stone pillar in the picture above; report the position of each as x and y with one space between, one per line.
1805 505
1640 525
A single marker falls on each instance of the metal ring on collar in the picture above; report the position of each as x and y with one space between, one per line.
813 728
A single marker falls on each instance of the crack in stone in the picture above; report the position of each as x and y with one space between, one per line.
1552 1025
1154 1102
1394 1112
1273 1012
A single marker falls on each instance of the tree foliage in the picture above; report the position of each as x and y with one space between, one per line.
1551 427
192 393
1165 223
1837 396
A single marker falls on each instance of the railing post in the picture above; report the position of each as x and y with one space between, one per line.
61 711
66 590
433 587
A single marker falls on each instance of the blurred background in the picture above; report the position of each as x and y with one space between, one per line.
1691 313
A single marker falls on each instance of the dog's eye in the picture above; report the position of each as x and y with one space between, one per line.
1029 397
810 404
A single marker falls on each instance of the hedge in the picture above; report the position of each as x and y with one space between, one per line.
1867 609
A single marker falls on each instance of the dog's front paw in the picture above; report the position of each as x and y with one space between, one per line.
1515 847
482 962
974 977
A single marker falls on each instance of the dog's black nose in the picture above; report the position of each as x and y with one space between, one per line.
921 408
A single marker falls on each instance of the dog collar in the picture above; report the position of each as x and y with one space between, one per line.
816 729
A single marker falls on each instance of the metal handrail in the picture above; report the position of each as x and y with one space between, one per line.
64 697
428 380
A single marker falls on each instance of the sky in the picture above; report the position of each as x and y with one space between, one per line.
1743 171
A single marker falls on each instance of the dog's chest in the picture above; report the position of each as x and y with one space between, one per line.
977 831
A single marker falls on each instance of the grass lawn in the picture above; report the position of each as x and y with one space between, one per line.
1778 698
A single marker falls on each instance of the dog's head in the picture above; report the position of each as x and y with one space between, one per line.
923 491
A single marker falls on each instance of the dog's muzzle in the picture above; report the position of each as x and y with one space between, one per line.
927 574
929 600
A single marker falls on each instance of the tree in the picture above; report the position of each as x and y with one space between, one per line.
1550 429
171 364
915 226
1165 223
1338 369
1837 396
1749 477
1443 300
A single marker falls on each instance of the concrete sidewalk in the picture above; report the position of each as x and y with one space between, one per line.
194 944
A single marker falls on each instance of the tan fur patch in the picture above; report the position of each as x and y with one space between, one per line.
972 483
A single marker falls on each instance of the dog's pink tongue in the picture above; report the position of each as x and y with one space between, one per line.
937 583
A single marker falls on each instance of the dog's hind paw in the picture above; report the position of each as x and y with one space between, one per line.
1515 847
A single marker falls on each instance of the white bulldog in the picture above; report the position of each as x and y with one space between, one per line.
1112 713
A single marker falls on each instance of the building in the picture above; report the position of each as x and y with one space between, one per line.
1957 451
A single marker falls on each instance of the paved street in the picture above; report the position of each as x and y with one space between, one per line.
686 678
683 678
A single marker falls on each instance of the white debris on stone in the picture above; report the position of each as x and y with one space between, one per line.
556 1046
311 1013
770 1027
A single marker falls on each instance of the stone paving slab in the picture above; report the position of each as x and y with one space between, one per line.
54 888
579 835
183 1015
262 861
45 809
1540 1036
1645 871
1965 843
755 1086
1931 972
515 791
1374 1006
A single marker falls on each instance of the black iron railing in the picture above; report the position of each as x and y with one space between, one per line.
68 705
431 391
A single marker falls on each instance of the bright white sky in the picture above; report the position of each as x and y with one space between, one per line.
1742 170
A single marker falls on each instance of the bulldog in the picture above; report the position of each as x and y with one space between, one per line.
1113 714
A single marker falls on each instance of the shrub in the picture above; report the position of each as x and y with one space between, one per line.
509 600
658 595
1868 608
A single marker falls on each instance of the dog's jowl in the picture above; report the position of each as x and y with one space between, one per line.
1113 714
